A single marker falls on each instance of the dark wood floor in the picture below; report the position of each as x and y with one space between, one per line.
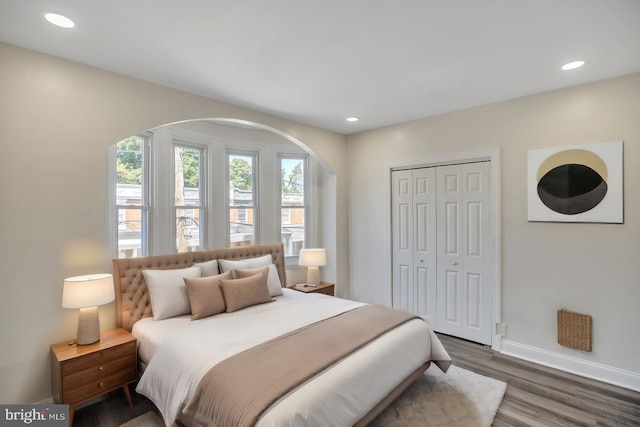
546 397
536 395
112 411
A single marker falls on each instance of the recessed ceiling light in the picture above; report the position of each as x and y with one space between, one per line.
59 20
353 119
572 65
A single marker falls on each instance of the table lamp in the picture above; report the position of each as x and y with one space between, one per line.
313 259
87 293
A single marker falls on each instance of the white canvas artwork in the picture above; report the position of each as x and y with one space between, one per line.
580 183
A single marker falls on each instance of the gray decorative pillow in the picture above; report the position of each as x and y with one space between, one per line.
242 293
205 295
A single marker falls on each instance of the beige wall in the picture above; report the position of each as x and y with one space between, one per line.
590 268
57 119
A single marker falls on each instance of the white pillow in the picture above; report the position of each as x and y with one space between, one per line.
273 280
209 268
168 292
243 264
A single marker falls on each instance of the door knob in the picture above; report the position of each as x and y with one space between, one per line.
454 263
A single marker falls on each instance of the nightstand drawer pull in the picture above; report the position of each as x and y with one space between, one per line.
100 368
100 384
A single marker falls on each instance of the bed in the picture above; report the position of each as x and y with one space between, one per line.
177 354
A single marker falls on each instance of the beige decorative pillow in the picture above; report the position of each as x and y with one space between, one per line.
241 274
241 293
273 280
205 295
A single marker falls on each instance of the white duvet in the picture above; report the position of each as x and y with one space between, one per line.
180 352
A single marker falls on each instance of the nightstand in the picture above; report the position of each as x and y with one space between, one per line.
321 288
81 372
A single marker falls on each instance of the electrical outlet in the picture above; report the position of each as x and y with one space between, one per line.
501 329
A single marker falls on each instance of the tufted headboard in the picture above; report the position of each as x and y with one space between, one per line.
132 296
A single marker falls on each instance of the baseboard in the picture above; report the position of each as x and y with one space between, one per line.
496 344
47 401
596 371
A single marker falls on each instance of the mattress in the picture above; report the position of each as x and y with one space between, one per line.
179 352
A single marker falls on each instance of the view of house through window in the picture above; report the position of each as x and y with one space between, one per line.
197 186
188 203
132 196
241 199
292 204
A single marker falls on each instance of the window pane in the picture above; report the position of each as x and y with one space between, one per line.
130 236
292 230
241 227
187 176
241 202
129 171
292 182
188 232
240 180
131 194
292 205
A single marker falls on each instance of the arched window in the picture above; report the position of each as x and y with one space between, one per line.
200 185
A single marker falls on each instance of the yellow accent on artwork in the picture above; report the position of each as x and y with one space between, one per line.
575 156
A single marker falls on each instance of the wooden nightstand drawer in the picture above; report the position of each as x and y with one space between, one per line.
98 386
99 373
327 290
97 359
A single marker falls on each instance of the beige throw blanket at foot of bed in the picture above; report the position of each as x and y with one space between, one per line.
238 390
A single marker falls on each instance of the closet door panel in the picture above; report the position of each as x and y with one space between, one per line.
424 259
402 253
449 249
477 249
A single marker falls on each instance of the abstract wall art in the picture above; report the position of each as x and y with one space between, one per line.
581 183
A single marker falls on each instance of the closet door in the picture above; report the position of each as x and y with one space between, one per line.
464 251
449 236
414 242
402 225
425 243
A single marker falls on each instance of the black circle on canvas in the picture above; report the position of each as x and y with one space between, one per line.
572 181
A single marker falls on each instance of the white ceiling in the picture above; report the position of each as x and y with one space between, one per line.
318 62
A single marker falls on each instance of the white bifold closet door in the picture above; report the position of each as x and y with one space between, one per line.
414 242
442 247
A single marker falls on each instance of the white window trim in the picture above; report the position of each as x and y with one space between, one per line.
161 211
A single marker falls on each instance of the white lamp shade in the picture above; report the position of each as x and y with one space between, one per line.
312 257
87 291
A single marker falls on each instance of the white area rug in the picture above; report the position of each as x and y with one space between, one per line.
459 398
148 419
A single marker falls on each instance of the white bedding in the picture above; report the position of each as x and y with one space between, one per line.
180 352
